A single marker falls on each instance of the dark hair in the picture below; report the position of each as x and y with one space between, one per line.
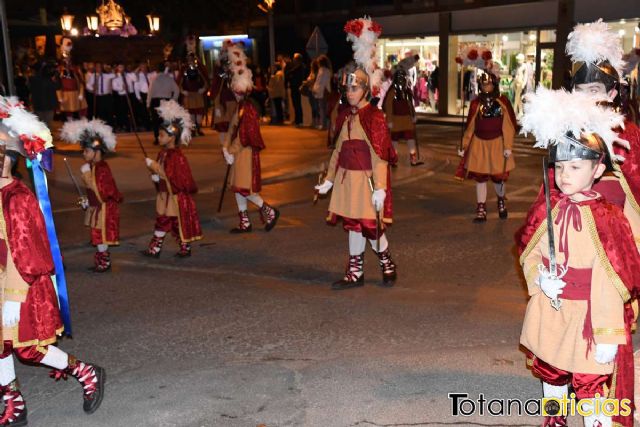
324 61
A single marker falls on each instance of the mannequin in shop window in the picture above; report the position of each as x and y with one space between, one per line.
520 83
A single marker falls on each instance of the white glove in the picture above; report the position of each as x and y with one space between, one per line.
155 177
605 353
229 158
85 168
390 125
83 203
507 153
550 286
185 93
324 187
377 198
461 153
10 313
148 161
80 97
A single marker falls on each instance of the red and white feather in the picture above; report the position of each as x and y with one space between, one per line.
241 76
22 123
363 33
171 111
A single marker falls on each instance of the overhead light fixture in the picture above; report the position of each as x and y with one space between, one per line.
621 33
532 37
505 38
66 22
74 32
92 22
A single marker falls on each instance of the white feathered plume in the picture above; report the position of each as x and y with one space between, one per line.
363 33
550 114
171 111
593 43
242 78
22 123
74 131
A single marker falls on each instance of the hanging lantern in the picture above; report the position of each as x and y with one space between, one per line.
66 22
154 23
92 22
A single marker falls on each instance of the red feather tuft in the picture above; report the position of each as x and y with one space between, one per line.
473 54
355 26
487 56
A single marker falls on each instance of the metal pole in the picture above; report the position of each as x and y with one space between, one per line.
7 48
272 41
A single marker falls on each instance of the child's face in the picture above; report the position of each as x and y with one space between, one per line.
89 155
164 138
355 94
575 176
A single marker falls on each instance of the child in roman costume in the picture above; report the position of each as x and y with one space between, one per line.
175 207
101 205
30 314
577 326
242 146
359 169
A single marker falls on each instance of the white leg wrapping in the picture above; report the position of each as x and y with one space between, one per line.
103 248
556 391
159 233
221 136
241 201
7 370
501 188
411 144
481 192
596 420
384 243
55 358
357 243
256 200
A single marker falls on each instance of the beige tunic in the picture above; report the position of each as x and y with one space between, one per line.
351 196
399 123
223 114
486 156
166 201
556 336
93 217
241 173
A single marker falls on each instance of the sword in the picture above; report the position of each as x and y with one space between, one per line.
378 224
224 187
75 182
321 175
553 266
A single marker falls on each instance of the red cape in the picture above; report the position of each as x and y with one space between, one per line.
29 246
617 240
109 194
375 126
631 166
178 172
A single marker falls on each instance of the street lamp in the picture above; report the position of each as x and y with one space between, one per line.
267 7
92 22
154 23
66 22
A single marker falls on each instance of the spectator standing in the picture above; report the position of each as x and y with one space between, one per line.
163 87
44 84
277 93
322 89
294 77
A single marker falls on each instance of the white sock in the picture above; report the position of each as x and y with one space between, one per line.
411 144
590 421
55 358
159 233
384 243
501 188
103 248
241 201
481 192
7 370
357 243
256 200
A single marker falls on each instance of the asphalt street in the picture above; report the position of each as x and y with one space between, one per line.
247 332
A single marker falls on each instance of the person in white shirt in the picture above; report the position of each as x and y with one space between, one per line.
120 87
143 81
100 84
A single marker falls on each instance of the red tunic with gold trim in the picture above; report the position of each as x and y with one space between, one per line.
195 83
621 261
104 199
71 90
175 192
400 114
490 130
245 143
25 248
363 150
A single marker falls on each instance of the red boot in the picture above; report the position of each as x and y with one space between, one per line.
555 421
91 377
155 247
481 213
269 216
502 208
354 276
389 274
415 161
102 262
15 410
185 250
245 224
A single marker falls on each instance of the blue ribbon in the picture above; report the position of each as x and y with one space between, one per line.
59 280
